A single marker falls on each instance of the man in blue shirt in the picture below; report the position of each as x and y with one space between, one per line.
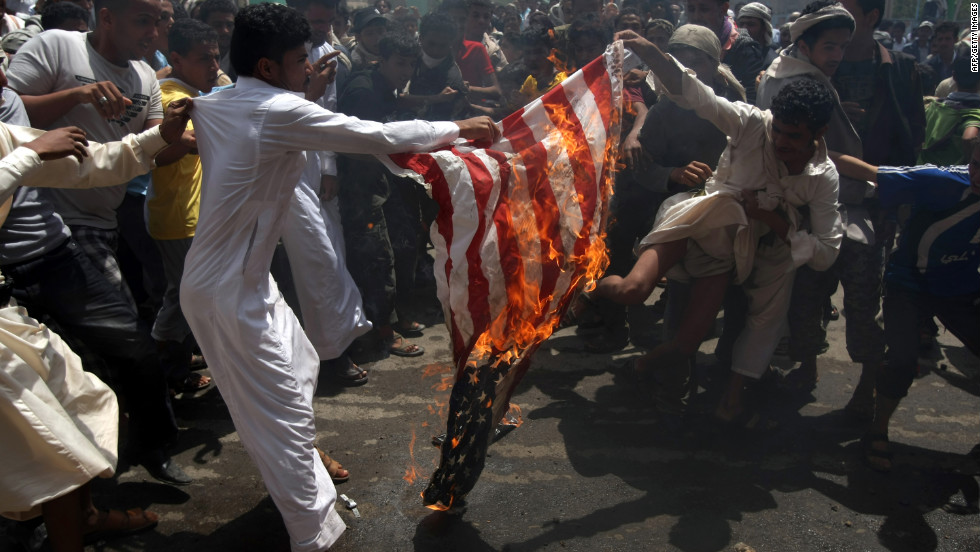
933 272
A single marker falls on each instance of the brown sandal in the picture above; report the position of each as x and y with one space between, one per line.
111 524
336 470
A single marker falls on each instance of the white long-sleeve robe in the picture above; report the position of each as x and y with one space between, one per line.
252 140
333 314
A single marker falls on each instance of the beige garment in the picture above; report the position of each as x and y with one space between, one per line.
749 163
107 164
59 425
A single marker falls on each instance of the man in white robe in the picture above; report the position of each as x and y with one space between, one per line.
263 363
330 302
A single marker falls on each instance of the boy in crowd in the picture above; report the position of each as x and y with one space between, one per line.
953 122
820 37
477 27
943 50
174 198
536 44
329 302
379 211
932 272
369 27
437 90
744 55
471 55
262 362
220 15
749 221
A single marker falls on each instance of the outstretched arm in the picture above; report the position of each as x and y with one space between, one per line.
63 158
853 167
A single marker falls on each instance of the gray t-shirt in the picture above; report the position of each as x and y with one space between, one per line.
58 60
32 228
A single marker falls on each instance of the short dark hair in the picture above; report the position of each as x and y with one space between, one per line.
627 12
804 101
588 27
401 44
479 4
112 5
209 7
265 31
179 11
187 33
54 15
868 5
437 22
303 5
812 35
963 76
537 36
513 74
947 27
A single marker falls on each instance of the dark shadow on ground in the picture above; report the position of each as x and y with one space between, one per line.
708 476
440 532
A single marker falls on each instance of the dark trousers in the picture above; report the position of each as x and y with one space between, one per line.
65 287
139 258
859 268
903 310
632 212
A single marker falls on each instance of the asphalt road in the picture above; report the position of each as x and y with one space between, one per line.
592 469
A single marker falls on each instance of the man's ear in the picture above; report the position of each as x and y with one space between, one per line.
104 17
873 15
265 69
804 49
175 60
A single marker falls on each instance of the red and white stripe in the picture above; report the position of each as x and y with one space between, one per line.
525 210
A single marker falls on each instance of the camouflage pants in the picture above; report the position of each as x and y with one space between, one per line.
859 269
382 233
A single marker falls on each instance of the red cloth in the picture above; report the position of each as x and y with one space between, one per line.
474 63
632 94
516 228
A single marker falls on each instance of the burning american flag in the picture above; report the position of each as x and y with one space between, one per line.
520 230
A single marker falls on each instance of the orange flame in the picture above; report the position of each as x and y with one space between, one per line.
559 63
439 506
513 417
530 318
412 471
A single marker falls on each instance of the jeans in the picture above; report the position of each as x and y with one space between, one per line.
64 286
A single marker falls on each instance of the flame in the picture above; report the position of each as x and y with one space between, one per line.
531 317
412 471
439 506
555 58
513 417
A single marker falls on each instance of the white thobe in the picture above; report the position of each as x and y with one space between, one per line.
333 315
252 140
749 163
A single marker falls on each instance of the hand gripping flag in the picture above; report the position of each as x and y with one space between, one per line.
520 229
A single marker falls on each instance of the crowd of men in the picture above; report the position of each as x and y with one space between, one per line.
763 168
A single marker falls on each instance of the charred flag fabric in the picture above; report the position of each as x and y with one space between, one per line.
520 229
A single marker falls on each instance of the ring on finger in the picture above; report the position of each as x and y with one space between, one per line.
103 100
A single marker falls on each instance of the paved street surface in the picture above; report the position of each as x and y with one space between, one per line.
592 469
